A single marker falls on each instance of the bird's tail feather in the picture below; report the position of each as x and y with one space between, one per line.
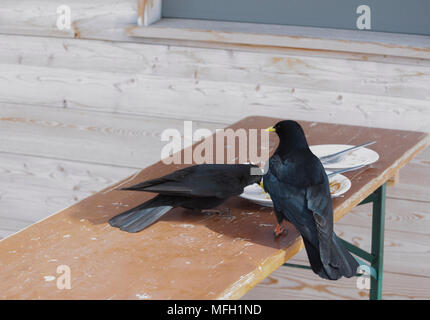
142 216
348 265
315 259
342 263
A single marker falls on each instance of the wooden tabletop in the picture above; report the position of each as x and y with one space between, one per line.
185 255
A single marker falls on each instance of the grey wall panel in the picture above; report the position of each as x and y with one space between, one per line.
400 16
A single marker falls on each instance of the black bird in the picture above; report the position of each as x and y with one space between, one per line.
198 187
300 191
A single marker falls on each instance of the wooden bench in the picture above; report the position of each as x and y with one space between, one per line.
185 255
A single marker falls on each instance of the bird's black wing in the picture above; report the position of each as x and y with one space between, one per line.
319 202
153 183
195 181
302 193
175 176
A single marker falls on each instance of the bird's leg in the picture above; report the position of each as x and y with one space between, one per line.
279 229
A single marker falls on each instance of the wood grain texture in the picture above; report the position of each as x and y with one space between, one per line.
203 100
413 183
12 225
394 79
148 11
108 20
104 19
361 86
32 188
256 34
229 274
204 84
394 180
101 138
400 248
291 284
401 215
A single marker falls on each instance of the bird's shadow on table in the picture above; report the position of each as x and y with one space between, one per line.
245 221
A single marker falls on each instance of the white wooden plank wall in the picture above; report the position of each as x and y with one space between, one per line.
83 108
203 84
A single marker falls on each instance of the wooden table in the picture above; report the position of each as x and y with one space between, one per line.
185 255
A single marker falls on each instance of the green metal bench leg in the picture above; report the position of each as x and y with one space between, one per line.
378 228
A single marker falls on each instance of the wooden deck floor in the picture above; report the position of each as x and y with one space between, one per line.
33 187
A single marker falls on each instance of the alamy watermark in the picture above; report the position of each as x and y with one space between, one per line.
364 20
226 146
63 17
363 282
64 279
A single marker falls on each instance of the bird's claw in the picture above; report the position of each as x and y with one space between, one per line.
279 230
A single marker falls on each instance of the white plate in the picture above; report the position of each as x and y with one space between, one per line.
362 156
339 184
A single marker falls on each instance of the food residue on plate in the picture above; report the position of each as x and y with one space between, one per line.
334 186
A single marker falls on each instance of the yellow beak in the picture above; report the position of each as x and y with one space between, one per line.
271 129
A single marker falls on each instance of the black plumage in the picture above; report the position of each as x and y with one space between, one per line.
198 187
300 191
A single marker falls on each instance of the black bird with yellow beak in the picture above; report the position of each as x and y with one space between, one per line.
199 187
300 191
